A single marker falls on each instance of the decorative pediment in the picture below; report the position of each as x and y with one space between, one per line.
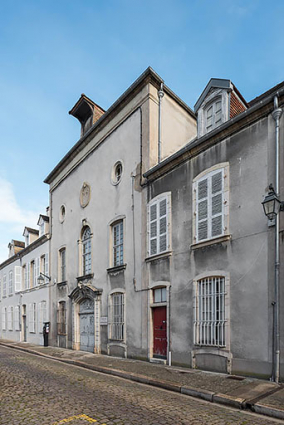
83 291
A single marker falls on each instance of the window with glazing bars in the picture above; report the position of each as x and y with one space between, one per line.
117 316
63 265
117 230
209 206
209 323
158 226
87 254
61 318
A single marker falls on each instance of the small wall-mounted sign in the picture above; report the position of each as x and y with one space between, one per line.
103 320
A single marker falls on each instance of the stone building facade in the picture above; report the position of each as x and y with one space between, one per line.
158 245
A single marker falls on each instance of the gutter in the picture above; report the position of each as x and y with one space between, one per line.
198 142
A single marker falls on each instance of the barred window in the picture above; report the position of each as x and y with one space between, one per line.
117 233
87 253
209 322
61 318
116 316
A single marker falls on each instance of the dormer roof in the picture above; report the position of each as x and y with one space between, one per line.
84 108
217 83
30 230
44 218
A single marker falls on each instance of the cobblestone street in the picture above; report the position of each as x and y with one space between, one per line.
34 390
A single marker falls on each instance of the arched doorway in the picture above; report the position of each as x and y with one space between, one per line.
86 314
87 325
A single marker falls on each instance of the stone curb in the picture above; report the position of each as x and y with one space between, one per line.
268 411
218 398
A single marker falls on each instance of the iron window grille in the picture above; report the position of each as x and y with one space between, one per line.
209 321
116 325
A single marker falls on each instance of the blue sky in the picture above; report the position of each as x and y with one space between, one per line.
52 51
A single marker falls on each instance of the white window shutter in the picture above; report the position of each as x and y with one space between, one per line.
202 210
163 225
18 278
217 204
46 271
153 229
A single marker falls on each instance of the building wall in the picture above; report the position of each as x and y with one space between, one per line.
25 297
247 257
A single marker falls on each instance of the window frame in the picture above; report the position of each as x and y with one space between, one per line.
10 286
116 321
4 318
62 265
117 243
157 201
32 318
61 318
207 175
215 122
86 256
4 285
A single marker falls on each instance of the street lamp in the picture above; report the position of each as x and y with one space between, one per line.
41 277
271 204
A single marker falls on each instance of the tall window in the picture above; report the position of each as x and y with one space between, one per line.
41 315
158 224
211 204
4 318
87 252
117 233
10 318
209 321
17 318
213 115
32 317
61 318
10 283
116 315
32 273
62 260
4 286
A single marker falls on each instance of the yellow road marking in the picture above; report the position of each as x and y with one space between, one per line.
72 418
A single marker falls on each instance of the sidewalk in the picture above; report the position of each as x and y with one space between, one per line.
244 393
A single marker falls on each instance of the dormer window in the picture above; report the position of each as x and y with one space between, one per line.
213 115
219 102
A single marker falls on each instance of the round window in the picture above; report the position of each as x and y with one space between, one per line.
117 172
62 213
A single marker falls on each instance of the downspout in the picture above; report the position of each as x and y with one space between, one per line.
276 114
160 95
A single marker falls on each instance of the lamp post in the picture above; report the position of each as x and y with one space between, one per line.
271 206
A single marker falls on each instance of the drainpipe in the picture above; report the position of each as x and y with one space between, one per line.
276 114
160 95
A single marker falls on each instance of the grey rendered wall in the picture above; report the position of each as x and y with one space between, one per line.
248 256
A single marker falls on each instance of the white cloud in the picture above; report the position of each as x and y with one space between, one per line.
13 218
10 211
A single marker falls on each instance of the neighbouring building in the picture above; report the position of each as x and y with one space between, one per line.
159 247
24 298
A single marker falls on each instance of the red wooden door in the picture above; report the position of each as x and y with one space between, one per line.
160 331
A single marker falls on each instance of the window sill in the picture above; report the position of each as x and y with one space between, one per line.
116 269
158 256
209 242
60 284
85 277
